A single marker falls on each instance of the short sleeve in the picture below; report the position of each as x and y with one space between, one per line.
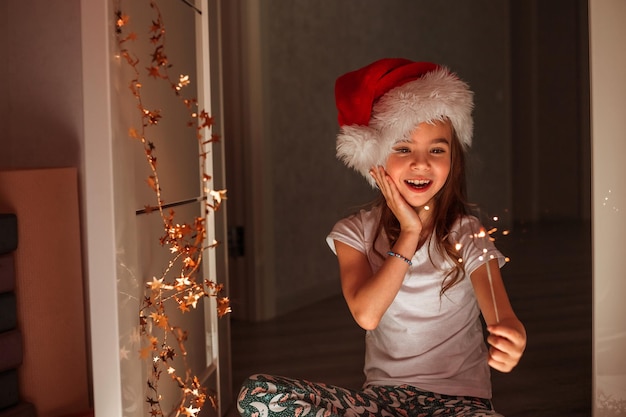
349 231
476 247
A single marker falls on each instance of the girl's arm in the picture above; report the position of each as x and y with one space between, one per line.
368 295
507 336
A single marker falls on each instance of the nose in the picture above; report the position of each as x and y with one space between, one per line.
420 160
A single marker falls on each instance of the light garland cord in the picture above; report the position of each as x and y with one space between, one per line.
397 255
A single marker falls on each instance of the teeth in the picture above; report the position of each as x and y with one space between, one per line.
418 182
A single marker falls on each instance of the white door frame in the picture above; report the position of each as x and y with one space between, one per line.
100 222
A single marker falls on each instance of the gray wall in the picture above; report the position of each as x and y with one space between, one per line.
525 61
308 47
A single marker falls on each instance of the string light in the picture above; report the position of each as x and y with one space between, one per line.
186 242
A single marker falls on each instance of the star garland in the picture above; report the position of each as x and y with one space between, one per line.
187 242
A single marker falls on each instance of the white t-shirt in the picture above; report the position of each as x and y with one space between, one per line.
432 342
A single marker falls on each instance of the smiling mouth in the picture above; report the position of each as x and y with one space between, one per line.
418 184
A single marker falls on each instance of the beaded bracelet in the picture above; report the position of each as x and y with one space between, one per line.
397 255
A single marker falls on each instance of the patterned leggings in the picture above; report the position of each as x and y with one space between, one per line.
275 396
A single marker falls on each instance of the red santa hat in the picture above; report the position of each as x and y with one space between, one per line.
382 103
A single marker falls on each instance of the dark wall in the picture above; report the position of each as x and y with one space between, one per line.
550 111
303 46
529 163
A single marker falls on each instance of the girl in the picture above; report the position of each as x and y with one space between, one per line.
416 270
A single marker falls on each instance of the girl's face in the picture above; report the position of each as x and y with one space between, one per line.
419 166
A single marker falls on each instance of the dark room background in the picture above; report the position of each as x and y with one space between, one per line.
530 160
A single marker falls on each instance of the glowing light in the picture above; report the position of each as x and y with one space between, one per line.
191 411
183 80
155 284
182 282
186 242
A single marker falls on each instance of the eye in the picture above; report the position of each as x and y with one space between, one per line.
401 149
438 150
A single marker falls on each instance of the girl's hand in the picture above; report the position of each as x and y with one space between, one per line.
406 215
508 342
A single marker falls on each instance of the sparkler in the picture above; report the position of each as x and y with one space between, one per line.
482 234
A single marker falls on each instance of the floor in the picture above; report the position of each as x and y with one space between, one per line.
549 283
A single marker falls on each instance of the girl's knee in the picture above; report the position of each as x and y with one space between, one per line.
256 394
252 383
256 386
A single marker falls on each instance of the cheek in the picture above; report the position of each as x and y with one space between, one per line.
391 165
393 169
446 170
445 167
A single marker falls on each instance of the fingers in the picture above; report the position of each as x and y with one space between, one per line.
507 346
499 362
382 180
507 339
502 355
504 331
406 215
387 188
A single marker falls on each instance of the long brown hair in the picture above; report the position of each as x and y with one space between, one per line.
450 204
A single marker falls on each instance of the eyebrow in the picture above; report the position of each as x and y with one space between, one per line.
440 140
432 142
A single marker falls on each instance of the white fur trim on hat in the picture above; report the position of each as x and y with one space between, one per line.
437 95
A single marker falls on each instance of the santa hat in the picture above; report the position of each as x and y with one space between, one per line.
383 102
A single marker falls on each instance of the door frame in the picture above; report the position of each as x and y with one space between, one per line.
98 208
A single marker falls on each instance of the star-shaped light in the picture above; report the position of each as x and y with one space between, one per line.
191 299
155 284
182 282
191 411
